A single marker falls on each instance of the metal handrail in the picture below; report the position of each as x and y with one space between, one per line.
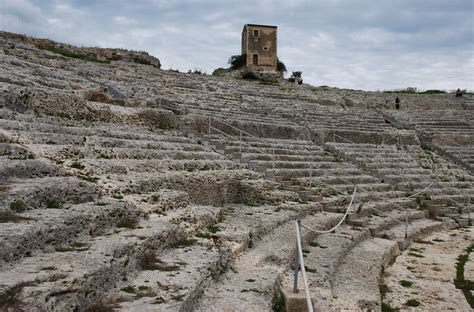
299 256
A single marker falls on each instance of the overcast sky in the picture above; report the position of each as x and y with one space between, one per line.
359 44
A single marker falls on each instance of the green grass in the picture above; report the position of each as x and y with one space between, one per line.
48 268
79 56
129 289
278 304
412 303
213 229
88 178
117 196
406 283
77 165
54 204
387 308
460 282
159 300
64 248
250 280
18 205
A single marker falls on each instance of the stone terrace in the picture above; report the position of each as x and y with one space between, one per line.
114 195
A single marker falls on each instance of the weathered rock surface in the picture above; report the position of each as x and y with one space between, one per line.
126 187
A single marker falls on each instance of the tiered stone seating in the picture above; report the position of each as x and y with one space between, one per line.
154 183
448 132
104 204
411 169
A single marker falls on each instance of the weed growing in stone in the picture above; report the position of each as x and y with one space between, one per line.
77 165
129 289
213 229
88 178
18 205
117 196
406 283
159 300
460 282
54 204
412 303
387 308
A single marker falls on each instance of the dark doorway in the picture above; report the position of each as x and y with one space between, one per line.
397 106
255 59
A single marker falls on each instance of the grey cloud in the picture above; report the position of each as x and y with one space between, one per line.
361 44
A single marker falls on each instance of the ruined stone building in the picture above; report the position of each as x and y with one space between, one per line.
259 45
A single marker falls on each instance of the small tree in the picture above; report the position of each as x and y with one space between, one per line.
237 61
281 66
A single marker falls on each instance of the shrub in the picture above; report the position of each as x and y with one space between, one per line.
281 66
213 229
129 289
77 165
387 308
412 303
54 204
406 283
433 92
18 205
237 61
117 196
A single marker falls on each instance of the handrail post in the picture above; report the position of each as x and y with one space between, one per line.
297 262
209 128
159 103
184 108
310 175
240 143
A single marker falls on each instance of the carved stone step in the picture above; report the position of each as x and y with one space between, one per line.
358 222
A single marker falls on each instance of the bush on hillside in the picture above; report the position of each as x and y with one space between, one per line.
237 61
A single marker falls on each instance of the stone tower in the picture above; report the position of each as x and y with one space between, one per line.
259 45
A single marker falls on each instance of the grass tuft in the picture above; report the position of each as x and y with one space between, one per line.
54 204
406 283
18 205
412 303
129 289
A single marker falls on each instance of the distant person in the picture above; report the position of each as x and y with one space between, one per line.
397 103
458 93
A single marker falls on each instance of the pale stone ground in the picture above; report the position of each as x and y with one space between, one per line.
432 276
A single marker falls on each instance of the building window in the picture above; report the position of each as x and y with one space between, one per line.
256 33
265 48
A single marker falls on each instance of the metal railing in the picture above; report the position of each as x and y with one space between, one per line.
299 259
211 128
